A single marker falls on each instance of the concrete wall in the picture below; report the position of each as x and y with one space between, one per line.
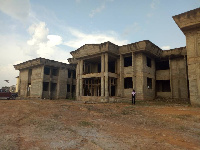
178 78
164 94
23 77
193 55
163 74
189 23
148 72
36 82
62 83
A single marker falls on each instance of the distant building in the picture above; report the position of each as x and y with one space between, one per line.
12 89
44 78
6 88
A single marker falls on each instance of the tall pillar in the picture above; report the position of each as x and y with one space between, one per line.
78 80
121 88
81 80
106 75
189 23
102 74
71 83
134 71
171 78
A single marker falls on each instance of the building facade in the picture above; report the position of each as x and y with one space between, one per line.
189 23
106 72
46 79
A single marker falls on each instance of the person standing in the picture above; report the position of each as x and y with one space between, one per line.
133 97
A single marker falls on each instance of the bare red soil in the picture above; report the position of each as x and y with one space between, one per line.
72 125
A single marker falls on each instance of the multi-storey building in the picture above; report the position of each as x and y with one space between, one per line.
107 72
44 78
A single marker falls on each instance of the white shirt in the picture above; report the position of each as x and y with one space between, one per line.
133 93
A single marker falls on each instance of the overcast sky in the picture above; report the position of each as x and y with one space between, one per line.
52 28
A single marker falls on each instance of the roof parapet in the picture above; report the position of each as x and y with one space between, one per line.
40 61
188 20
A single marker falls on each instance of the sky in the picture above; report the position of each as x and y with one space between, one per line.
52 28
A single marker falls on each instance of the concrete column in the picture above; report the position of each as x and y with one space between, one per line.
171 79
71 83
81 80
78 80
102 73
121 65
134 71
106 75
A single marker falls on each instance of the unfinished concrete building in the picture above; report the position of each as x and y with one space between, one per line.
189 23
106 72
46 79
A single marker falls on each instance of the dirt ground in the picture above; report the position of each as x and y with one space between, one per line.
72 125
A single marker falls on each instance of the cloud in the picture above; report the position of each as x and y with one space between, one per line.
54 40
133 28
44 45
17 9
83 38
99 9
39 33
13 51
165 47
154 3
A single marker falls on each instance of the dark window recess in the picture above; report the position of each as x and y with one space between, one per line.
74 74
162 65
111 67
53 86
148 62
128 83
128 61
88 69
73 88
69 73
55 72
163 86
45 86
29 75
30 72
99 67
112 90
68 87
149 83
46 70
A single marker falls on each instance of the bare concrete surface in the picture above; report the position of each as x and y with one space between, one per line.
73 125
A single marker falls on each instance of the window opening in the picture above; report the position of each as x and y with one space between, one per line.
53 86
148 62
162 65
45 86
69 73
149 83
163 86
68 87
128 83
99 67
55 72
127 61
46 70
111 67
